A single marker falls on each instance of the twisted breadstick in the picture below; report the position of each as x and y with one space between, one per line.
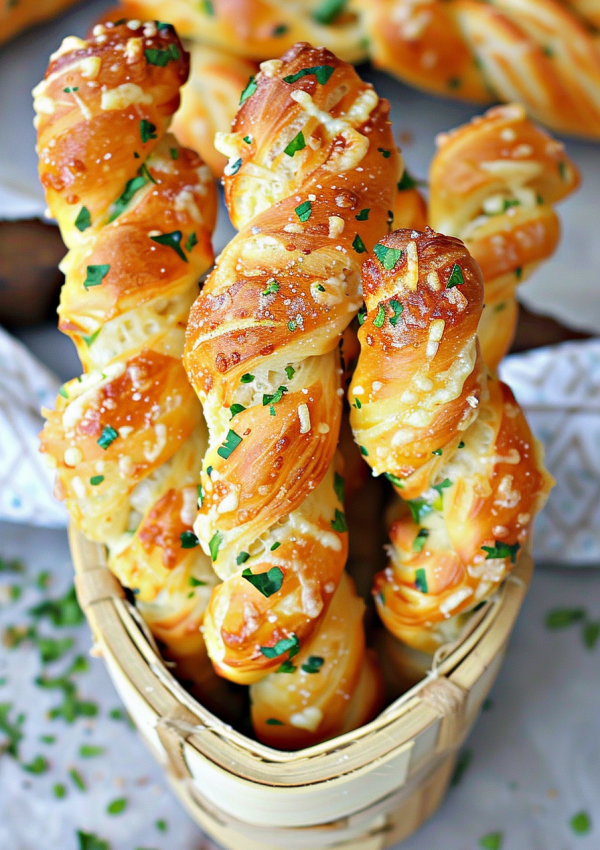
311 176
453 442
260 29
493 184
209 100
17 16
136 211
536 52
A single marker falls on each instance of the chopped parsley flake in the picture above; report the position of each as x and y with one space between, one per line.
421 579
361 315
147 130
561 618
502 550
174 153
231 443
590 634
95 275
388 257
70 89
234 167
328 11
171 240
83 220
191 243
131 187
117 806
280 29
397 309
242 558
96 479
456 277
235 409
297 144
271 288
292 325
248 140
292 644
59 790
581 823
304 211
437 452
77 779
267 583
461 445
188 540
357 403
339 522
215 544
275 546
385 152
108 436
274 397
518 272
363 215
63 391
363 451
286 667
36 766
247 378
290 372
314 664
89 841
156 56
272 721
91 338
338 486
251 87
380 317
408 182
272 411
207 7
419 541
321 72
161 825
88 751
359 245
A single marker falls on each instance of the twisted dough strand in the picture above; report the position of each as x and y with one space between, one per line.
453 442
311 176
536 52
493 184
127 437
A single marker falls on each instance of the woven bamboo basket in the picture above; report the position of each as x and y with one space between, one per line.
365 790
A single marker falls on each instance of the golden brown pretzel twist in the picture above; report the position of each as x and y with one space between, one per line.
260 29
493 183
537 52
452 440
136 211
310 178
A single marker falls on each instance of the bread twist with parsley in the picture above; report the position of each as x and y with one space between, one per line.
136 211
536 52
310 178
493 183
449 436
260 29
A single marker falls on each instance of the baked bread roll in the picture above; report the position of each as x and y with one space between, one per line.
493 184
136 211
537 52
447 433
311 176
20 14
260 29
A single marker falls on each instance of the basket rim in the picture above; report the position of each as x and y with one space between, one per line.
114 626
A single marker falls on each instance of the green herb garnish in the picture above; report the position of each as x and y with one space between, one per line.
328 11
96 479
297 144
321 72
274 397
290 372
235 409
421 580
147 130
247 378
188 540
83 220
156 56
292 644
358 245
339 522
95 275
231 443
380 317
388 257
242 558
419 541
314 664
107 437
304 211
502 550
386 154
171 240
117 806
456 277
251 87
271 288
215 544
338 486
267 583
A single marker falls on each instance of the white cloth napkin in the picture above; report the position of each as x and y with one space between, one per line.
25 481
559 388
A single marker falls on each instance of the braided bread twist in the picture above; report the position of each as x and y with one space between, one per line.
311 176
536 52
493 183
260 29
452 440
136 211
17 16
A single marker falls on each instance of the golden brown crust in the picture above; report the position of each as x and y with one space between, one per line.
454 444
261 352
536 52
127 437
493 184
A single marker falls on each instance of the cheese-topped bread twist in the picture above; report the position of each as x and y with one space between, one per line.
537 52
260 29
493 183
17 15
136 211
451 439
310 179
